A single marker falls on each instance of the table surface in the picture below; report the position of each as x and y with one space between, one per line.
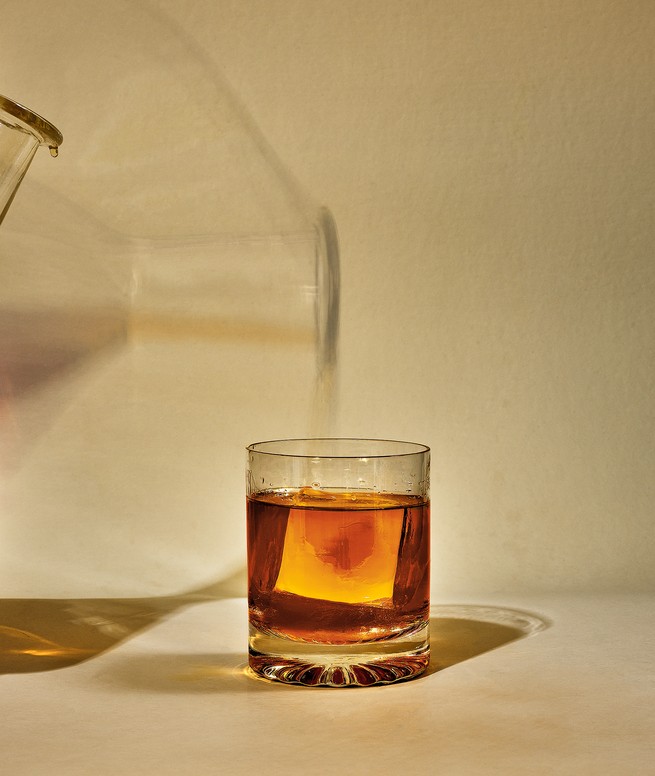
164 690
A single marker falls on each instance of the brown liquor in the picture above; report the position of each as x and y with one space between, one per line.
338 567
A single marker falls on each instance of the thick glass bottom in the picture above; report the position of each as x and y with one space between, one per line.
326 665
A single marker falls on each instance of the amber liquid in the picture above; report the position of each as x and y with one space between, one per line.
338 568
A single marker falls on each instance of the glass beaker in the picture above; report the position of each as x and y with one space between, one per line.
21 132
169 295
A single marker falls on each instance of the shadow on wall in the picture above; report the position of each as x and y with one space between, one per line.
139 320
44 635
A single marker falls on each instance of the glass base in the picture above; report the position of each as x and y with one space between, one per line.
341 665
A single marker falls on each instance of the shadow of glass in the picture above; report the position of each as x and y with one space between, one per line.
458 633
47 634
462 632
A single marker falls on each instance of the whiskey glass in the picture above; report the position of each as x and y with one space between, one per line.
338 561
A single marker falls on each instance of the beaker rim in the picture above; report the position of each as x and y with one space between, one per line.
47 132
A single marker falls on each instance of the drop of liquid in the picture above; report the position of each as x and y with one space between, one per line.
54 151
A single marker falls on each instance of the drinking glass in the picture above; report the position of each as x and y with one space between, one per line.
338 560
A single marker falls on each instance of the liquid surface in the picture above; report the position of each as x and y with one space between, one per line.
336 567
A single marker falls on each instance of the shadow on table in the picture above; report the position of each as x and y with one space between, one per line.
461 632
457 633
43 635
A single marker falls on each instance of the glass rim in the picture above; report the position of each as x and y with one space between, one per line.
418 448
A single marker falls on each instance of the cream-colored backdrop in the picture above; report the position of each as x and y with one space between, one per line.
490 165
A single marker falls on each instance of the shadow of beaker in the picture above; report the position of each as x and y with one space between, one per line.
39 634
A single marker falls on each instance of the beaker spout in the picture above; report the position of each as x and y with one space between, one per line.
21 132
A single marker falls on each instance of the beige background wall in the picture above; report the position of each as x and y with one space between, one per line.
490 166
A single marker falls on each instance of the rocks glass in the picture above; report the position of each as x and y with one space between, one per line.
338 561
